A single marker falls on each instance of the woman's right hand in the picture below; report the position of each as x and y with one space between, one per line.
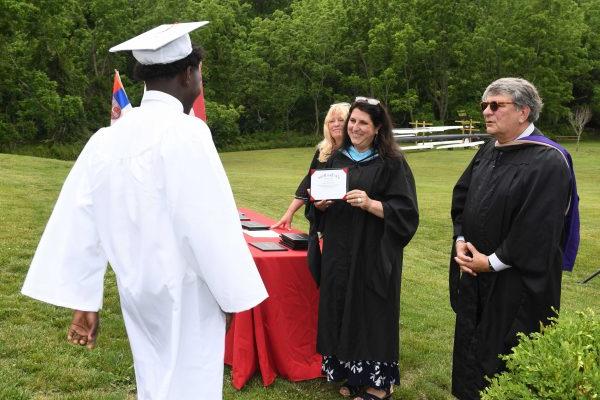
284 223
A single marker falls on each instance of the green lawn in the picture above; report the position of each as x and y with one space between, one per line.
36 362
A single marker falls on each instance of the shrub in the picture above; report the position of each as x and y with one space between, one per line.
270 140
223 122
560 362
67 151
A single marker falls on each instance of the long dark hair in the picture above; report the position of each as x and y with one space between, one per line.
164 71
384 142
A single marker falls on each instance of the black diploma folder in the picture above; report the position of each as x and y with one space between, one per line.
268 246
253 226
243 216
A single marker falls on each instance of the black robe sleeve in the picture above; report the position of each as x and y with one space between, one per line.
313 216
538 223
459 198
301 191
400 221
532 243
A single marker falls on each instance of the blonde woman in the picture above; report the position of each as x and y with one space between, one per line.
333 138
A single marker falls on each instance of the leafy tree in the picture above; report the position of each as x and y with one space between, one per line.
443 51
277 65
586 88
536 46
315 33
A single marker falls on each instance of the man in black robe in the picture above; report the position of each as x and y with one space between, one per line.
508 212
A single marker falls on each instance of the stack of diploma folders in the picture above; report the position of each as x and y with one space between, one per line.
295 241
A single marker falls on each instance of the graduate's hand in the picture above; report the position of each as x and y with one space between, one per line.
84 328
358 198
471 261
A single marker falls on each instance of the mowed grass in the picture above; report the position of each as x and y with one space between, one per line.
37 363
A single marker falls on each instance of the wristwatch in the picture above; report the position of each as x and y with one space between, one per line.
490 266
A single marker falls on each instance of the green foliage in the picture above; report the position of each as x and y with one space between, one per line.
223 122
37 363
270 140
283 62
560 362
59 151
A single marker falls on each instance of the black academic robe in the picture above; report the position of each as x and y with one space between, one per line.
510 201
314 250
301 191
359 307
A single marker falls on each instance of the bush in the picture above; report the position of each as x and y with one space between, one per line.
223 122
270 140
67 151
560 362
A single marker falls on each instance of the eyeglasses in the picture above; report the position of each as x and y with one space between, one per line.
494 105
368 100
344 104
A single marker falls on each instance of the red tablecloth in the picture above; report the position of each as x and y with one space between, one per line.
277 337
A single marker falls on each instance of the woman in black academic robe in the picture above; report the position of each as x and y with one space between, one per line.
332 140
363 240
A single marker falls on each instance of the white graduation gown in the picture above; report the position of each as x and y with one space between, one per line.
150 195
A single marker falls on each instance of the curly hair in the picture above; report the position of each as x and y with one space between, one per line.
162 71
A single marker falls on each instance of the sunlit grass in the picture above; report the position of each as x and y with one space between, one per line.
36 362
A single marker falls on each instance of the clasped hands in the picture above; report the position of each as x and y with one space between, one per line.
469 259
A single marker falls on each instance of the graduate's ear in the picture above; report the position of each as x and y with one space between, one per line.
184 78
189 75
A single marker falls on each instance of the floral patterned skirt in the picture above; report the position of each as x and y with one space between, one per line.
376 374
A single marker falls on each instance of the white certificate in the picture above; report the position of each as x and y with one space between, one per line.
328 184
267 233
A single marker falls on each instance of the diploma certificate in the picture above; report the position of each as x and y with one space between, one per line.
328 184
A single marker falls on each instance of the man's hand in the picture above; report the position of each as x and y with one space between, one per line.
84 328
470 260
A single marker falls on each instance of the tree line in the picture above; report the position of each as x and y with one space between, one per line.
277 65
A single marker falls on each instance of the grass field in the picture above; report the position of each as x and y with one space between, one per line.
37 363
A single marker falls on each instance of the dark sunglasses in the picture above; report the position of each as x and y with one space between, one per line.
494 105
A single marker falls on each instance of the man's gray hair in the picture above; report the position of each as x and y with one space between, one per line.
523 93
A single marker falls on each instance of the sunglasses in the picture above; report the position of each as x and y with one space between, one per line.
368 100
345 104
494 105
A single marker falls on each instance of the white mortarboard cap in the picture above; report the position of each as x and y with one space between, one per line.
162 45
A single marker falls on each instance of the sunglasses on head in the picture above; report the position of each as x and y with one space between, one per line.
346 104
494 105
368 100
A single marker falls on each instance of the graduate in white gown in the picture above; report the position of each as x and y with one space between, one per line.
149 195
